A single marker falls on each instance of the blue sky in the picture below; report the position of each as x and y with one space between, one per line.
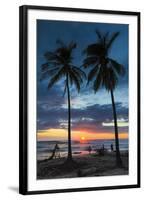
89 110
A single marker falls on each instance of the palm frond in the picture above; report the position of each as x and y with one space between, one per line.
97 82
93 73
110 79
49 65
120 70
72 45
113 37
106 79
79 71
64 54
70 77
113 80
105 38
56 78
49 72
94 49
65 87
78 75
52 56
75 80
91 60
44 66
99 35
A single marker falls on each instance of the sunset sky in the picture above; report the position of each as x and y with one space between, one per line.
92 116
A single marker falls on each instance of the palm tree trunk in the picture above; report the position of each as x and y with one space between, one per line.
69 122
118 157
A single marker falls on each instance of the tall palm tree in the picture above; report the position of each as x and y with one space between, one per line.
105 72
59 66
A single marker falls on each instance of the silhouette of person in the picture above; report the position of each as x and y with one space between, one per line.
89 149
57 152
56 146
112 147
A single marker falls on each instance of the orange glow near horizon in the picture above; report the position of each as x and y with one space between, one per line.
61 134
82 139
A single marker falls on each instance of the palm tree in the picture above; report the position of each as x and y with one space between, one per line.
105 72
59 66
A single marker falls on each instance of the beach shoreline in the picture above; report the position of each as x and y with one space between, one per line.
89 165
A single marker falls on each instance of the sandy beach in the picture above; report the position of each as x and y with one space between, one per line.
84 166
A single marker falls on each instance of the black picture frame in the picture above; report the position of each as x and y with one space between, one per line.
23 98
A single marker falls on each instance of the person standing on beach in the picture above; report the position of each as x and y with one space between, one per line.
89 149
57 151
112 148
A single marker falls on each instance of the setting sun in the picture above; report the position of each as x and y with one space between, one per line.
82 138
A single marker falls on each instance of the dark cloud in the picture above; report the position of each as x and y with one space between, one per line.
89 118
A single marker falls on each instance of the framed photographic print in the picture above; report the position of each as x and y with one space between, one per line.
79 99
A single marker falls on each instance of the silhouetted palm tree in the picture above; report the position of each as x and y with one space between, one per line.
59 66
105 72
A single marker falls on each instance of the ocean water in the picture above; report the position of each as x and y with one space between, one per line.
44 148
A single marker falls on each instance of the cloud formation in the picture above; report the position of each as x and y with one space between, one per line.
93 118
